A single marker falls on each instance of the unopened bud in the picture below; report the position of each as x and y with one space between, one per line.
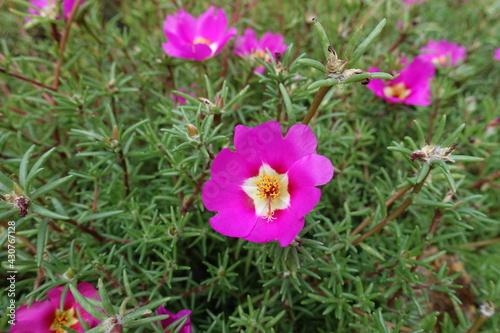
69 274
192 131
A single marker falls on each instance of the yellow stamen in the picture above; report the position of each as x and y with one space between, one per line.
261 55
399 90
441 60
66 318
268 188
201 40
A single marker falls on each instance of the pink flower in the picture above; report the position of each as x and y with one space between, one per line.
411 87
411 2
263 190
48 8
249 46
497 54
443 53
47 316
196 39
174 317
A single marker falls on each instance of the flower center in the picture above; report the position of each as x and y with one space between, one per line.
66 318
50 10
201 40
399 90
440 60
261 55
268 188
269 192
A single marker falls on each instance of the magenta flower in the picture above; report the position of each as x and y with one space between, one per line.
263 190
411 2
497 54
174 317
47 316
249 46
196 39
411 87
48 8
443 53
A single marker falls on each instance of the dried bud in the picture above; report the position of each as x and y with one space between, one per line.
432 153
334 65
111 86
21 202
487 309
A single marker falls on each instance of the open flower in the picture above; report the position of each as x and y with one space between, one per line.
196 39
48 8
411 87
443 53
186 328
249 46
47 316
263 190
497 54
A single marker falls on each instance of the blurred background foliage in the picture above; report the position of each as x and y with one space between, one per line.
132 214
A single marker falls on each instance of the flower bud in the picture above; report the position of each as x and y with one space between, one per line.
192 131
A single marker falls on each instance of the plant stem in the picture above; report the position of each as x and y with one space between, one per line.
482 243
320 94
24 78
408 201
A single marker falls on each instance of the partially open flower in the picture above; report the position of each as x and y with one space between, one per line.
186 328
249 46
47 316
443 53
196 39
412 87
263 190
48 8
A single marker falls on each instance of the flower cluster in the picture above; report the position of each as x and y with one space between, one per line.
204 37
263 190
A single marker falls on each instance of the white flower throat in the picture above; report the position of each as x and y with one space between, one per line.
269 191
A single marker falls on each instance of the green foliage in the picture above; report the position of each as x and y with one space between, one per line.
113 166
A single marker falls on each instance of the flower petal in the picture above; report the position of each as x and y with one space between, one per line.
233 167
236 217
246 44
265 143
38 318
212 24
284 228
273 42
181 24
311 170
300 141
